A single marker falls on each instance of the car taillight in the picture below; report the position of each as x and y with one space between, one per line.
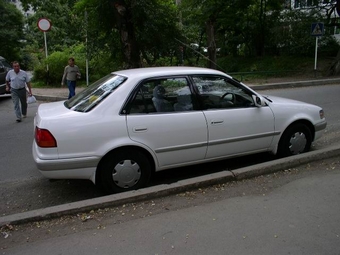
44 138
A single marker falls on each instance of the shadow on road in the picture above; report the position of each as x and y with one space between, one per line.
39 193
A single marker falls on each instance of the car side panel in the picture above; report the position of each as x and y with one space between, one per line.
236 131
175 138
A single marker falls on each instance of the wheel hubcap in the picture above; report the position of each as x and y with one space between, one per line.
298 143
126 174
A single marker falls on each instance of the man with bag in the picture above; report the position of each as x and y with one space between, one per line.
16 81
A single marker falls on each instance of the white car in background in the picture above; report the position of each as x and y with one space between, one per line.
131 123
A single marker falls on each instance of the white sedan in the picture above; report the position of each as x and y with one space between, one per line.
131 123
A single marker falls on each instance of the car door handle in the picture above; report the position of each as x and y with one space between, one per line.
140 129
215 122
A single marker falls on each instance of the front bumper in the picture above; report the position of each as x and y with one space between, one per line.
319 128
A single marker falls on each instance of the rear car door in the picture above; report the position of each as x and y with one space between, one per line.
162 116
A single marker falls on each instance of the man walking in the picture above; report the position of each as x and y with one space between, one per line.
16 80
71 74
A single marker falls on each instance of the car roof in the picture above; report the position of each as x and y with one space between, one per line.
148 72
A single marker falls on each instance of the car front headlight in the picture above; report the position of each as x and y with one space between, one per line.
322 114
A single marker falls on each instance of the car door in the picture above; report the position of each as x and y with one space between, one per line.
3 73
4 68
162 117
235 125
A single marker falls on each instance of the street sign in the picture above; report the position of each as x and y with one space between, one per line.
317 29
44 24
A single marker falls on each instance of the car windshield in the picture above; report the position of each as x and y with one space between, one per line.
5 63
95 93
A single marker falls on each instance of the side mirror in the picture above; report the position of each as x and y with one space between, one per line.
259 101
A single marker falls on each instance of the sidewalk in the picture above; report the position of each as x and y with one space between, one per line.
61 93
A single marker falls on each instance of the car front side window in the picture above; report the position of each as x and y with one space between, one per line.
221 93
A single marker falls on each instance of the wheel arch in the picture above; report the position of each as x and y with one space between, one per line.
305 122
145 152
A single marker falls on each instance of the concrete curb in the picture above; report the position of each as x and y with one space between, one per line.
295 84
49 98
169 189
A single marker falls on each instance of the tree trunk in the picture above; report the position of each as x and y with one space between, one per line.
211 44
260 40
125 27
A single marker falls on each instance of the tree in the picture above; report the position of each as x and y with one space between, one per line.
11 31
328 12
145 28
66 27
223 23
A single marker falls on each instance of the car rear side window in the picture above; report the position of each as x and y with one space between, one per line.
95 93
162 96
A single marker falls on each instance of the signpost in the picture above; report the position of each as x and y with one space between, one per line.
44 25
317 30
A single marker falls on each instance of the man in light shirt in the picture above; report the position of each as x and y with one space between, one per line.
71 74
16 81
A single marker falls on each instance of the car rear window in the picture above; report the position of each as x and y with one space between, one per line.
95 93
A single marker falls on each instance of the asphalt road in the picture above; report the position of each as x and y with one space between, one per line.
290 212
23 189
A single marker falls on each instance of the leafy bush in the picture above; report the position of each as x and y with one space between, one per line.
56 63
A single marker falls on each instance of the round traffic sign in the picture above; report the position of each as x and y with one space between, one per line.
44 24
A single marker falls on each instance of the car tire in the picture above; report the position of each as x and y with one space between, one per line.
124 170
296 139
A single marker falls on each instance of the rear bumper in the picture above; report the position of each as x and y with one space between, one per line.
73 168
84 173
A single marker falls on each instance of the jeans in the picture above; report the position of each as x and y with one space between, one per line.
19 99
72 88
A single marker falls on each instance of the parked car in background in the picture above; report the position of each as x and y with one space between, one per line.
131 123
4 68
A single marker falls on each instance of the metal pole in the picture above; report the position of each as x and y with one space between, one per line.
87 61
316 55
46 49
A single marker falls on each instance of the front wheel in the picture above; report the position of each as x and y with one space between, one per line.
295 140
124 170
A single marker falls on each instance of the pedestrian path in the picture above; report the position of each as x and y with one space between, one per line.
61 93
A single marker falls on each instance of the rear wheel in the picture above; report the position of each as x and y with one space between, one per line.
124 170
295 140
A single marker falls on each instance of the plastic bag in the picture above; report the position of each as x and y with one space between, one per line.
31 100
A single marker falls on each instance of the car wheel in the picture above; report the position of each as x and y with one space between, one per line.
295 140
124 170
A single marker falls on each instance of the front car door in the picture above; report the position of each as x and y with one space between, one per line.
4 68
235 125
162 115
